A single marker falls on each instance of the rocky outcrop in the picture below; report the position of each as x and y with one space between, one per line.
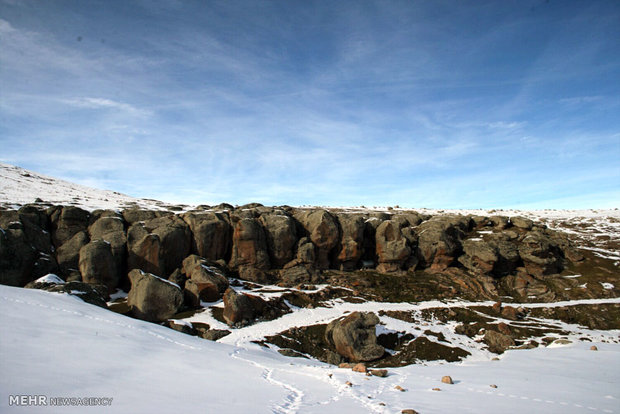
238 308
498 342
392 248
110 227
66 222
68 255
540 254
322 229
352 241
249 251
97 264
159 245
211 234
281 234
354 337
152 298
205 281
439 241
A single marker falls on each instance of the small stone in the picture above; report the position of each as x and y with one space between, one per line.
382 404
329 375
360 368
447 380
399 388
493 386
593 348
436 389
495 359
497 307
346 365
409 411
349 383
379 372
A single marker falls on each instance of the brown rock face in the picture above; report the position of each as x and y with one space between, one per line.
97 265
498 342
281 234
201 271
352 241
540 254
354 337
392 249
158 245
212 234
322 229
68 255
152 298
249 245
111 228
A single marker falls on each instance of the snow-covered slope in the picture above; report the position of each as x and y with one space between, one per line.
19 186
54 345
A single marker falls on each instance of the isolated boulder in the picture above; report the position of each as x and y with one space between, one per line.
354 337
281 236
238 308
323 231
211 234
392 249
97 265
195 292
497 342
152 298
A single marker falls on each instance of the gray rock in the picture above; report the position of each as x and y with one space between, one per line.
152 298
97 265
392 248
281 234
354 337
211 234
322 229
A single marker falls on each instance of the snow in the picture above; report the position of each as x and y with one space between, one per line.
58 346
50 278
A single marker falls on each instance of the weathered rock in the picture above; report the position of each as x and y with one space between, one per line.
180 326
392 249
281 234
179 278
159 245
527 286
202 271
498 342
111 228
249 245
88 292
215 334
212 234
352 240
521 222
66 222
359 367
447 379
36 228
379 372
135 215
353 336
195 292
540 254
97 265
439 241
500 222
17 256
68 255
306 251
152 298
323 231
238 308
292 276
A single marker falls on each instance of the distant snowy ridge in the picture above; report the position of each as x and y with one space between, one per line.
19 186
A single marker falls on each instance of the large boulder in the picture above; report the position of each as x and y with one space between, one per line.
498 342
212 234
354 337
238 308
152 298
323 231
97 265
111 228
439 241
391 245
66 222
158 245
281 234
68 255
352 240
206 282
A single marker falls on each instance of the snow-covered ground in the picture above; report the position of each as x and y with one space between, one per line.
55 345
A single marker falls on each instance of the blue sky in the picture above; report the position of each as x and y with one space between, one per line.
442 104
